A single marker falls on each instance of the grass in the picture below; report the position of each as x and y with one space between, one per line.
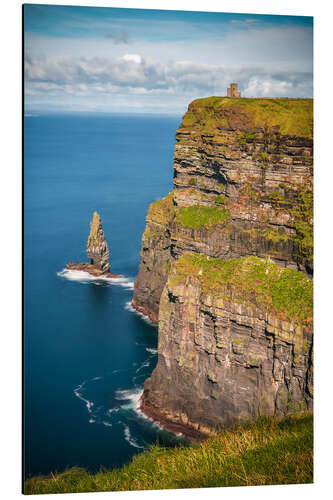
292 117
260 282
161 211
202 216
267 451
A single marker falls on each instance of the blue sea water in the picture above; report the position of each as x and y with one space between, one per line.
87 353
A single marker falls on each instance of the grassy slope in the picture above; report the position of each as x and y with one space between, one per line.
267 451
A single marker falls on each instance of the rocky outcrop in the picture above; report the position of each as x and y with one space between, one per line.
226 267
242 186
98 252
97 248
235 342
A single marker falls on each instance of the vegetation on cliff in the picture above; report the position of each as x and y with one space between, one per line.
161 211
299 204
202 216
292 117
266 451
195 216
251 280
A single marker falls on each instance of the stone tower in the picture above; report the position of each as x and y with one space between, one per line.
97 248
233 91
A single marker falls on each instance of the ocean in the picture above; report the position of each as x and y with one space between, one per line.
87 353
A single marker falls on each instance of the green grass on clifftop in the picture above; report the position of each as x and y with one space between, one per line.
263 452
254 281
294 117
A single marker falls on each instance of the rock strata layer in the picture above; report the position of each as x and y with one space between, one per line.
243 189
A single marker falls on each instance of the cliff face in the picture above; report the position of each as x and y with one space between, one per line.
242 187
235 342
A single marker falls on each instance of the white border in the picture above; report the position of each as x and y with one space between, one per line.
10 464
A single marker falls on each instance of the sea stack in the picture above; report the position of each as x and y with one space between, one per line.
98 252
97 248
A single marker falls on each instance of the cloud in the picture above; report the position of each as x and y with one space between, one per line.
119 37
133 72
132 57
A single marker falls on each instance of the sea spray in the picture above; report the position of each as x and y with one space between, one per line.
84 278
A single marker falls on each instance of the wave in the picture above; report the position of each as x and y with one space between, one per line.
132 441
89 404
151 350
84 277
143 365
132 396
128 307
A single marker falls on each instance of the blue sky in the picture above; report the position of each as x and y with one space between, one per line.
131 60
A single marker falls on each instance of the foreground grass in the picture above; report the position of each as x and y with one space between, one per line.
267 451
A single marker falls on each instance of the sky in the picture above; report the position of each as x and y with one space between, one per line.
94 59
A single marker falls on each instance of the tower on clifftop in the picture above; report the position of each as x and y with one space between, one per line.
233 91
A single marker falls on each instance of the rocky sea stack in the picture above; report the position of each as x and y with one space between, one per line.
97 250
226 267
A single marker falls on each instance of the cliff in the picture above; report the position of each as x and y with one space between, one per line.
243 175
235 342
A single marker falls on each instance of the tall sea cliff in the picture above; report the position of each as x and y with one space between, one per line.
226 267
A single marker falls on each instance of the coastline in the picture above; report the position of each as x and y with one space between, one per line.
190 433
146 312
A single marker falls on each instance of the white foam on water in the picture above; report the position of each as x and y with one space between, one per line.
98 414
129 438
151 350
152 422
143 365
112 410
128 307
133 397
89 404
84 277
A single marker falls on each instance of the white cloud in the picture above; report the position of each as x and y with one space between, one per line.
132 57
133 72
